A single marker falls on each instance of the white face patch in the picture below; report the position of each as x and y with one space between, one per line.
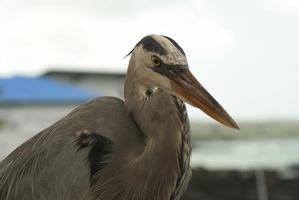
141 65
174 55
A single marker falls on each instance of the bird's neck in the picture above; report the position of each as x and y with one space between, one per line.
163 120
157 113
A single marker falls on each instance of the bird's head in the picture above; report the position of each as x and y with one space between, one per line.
160 62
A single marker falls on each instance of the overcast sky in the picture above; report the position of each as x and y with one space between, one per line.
246 53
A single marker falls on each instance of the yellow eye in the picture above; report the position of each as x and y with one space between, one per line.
156 61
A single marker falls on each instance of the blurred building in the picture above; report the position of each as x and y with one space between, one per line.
30 104
107 84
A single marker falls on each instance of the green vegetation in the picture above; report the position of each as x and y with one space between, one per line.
1 122
249 130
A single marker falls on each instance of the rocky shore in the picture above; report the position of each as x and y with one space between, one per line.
242 185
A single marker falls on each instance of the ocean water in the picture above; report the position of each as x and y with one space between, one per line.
246 154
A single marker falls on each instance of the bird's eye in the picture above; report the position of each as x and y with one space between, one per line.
156 61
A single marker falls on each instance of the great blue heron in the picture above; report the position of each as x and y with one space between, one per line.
109 149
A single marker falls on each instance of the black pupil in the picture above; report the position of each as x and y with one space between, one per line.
156 61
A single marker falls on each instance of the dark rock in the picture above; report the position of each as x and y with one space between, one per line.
239 185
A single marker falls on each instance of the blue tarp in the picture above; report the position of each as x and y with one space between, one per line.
40 90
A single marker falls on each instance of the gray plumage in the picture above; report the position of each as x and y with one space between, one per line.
113 149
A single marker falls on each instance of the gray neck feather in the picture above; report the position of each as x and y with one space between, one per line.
163 120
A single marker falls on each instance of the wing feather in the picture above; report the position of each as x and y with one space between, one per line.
57 162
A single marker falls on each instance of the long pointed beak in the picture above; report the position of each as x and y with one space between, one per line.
186 85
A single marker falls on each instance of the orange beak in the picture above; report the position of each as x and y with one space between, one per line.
186 85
